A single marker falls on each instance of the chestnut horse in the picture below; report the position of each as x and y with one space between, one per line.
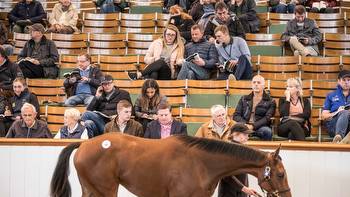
178 166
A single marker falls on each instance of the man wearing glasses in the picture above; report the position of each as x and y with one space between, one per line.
29 126
103 106
336 108
81 84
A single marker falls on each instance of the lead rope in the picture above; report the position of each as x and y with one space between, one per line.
242 185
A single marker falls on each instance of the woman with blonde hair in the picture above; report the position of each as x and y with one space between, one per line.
72 128
182 21
295 112
162 57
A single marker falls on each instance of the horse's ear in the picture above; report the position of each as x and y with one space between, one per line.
277 152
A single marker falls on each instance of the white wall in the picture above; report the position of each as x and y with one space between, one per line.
25 171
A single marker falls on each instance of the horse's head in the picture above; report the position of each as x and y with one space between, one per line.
273 177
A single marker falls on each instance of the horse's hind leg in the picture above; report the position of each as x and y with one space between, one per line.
99 190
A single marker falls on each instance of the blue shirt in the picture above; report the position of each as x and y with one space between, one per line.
336 99
83 87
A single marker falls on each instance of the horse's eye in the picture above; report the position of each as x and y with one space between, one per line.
280 175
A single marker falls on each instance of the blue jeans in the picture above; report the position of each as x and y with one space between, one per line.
265 133
243 70
339 124
109 7
281 8
79 99
190 70
94 123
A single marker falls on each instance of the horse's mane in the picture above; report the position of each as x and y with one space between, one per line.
216 146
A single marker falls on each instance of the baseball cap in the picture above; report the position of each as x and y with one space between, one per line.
107 79
343 74
240 127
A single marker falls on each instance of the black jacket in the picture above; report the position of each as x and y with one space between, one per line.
247 15
184 26
95 77
234 27
9 72
153 129
264 110
25 97
284 107
48 55
23 11
109 106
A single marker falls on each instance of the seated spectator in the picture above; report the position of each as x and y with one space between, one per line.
146 104
284 6
111 6
39 55
302 34
222 17
219 125
4 109
64 18
234 56
8 73
335 109
103 106
182 21
4 42
82 82
202 10
295 112
29 126
162 57
318 6
228 186
183 4
123 123
72 128
245 10
256 110
26 13
164 126
199 67
16 102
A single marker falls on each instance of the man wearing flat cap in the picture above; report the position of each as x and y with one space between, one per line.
39 55
103 106
336 112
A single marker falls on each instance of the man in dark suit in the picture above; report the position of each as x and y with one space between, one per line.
165 125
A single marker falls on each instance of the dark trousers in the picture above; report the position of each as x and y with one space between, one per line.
31 70
144 122
157 70
5 124
229 188
243 70
293 130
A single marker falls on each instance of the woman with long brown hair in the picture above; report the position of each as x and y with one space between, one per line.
162 56
147 103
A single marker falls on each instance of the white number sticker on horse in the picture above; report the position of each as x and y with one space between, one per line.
106 144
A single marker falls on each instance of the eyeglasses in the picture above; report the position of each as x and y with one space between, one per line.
17 86
27 115
107 83
170 34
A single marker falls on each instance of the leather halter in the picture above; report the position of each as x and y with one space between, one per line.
267 178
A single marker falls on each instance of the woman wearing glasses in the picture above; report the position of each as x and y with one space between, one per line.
295 112
162 56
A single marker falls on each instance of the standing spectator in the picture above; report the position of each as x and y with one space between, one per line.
4 42
318 6
163 56
123 123
165 125
111 6
182 21
295 112
302 34
146 104
245 10
234 55
25 13
39 56
29 126
202 10
256 109
229 187
64 18
82 83
336 112
72 128
103 106
8 72
219 125
222 17
199 67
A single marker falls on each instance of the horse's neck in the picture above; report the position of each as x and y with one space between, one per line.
230 165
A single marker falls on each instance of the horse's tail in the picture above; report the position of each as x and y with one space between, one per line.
60 186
